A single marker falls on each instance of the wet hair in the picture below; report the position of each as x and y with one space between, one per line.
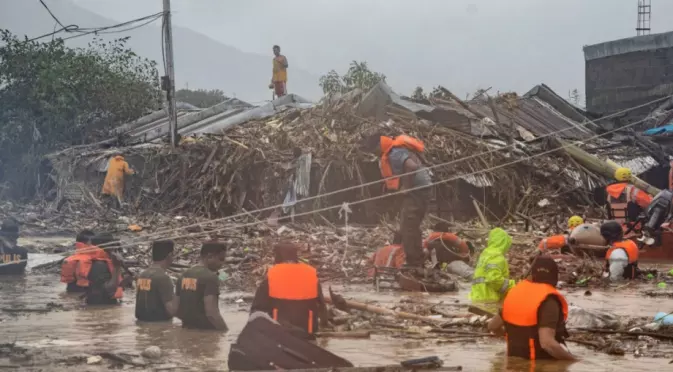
285 251
212 248
276 47
397 238
103 238
161 249
545 270
441 227
85 236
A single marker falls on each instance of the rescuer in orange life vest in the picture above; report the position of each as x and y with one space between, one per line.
560 242
401 155
83 250
391 255
448 246
97 270
624 200
621 260
291 293
534 314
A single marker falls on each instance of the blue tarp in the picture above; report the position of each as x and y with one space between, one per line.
664 129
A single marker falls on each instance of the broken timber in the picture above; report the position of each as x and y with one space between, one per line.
605 168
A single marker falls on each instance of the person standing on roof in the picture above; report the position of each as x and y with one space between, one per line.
403 170
560 242
279 73
491 276
117 170
624 200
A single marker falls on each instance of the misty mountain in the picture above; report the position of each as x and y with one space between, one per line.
200 61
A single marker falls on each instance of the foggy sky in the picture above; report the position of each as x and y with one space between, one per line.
463 45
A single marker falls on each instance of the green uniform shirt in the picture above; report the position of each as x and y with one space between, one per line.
194 284
154 290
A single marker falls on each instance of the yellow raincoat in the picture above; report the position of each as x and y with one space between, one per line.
491 276
117 169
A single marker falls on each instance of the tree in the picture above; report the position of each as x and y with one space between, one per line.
201 98
358 76
52 97
419 94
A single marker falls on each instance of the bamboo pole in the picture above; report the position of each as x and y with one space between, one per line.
605 168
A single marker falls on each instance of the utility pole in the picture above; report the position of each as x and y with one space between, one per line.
169 79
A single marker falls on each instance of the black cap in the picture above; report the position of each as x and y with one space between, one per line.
545 270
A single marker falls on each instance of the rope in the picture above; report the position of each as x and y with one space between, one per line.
224 219
379 196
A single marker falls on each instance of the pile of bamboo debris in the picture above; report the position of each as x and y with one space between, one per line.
315 151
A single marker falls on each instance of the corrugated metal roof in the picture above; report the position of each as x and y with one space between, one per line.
216 119
638 165
535 116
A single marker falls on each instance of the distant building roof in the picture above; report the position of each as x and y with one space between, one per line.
215 119
628 45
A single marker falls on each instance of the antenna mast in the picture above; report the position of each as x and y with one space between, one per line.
644 16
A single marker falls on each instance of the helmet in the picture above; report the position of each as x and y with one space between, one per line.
623 174
575 221
611 230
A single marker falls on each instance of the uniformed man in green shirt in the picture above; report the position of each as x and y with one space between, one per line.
198 290
154 294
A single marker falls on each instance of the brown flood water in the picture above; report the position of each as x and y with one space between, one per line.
87 330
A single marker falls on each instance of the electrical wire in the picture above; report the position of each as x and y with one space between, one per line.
383 196
115 244
52 14
227 218
99 30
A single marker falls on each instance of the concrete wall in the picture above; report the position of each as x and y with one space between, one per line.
624 73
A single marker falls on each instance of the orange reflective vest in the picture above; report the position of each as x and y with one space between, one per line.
389 143
293 289
76 268
626 201
520 314
388 256
450 242
631 249
554 242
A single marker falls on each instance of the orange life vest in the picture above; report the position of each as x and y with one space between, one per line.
554 242
388 256
631 249
69 264
454 247
387 144
76 268
520 312
293 289
625 202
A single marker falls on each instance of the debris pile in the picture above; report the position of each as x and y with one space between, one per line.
306 152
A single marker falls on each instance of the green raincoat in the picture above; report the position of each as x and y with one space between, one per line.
491 276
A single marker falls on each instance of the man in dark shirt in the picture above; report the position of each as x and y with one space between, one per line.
293 301
13 259
154 292
198 290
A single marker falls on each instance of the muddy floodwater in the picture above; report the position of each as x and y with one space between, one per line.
77 330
